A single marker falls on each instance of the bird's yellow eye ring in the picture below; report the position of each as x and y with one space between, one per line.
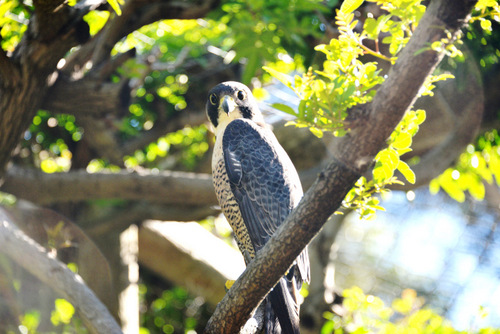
213 99
241 95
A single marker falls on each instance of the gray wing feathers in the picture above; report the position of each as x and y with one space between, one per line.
266 187
256 172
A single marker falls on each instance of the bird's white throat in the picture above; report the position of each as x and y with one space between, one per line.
225 119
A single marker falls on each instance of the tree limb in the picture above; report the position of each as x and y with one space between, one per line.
135 213
9 73
167 187
35 259
135 14
87 97
322 295
101 137
189 256
373 123
164 187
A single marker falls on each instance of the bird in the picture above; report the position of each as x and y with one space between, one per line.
257 187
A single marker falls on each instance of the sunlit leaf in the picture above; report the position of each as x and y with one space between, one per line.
403 141
388 157
407 172
283 78
115 4
63 312
284 108
317 132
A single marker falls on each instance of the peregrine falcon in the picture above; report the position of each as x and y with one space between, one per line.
257 187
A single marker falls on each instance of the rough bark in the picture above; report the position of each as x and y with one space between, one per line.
371 126
27 73
88 97
168 187
180 188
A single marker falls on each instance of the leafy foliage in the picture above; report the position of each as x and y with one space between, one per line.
62 319
172 311
485 10
345 80
190 143
327 95
478 164
47 141
369 314
14 17
278 33
387 162
261 29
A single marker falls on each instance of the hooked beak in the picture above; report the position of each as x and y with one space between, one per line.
228 104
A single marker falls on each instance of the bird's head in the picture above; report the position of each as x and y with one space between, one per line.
231 100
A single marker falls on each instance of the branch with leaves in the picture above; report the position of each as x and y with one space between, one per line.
374 122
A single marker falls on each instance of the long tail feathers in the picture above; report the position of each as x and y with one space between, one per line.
282 309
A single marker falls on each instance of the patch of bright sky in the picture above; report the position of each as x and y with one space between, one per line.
432 246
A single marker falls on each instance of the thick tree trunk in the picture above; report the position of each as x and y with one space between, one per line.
28 73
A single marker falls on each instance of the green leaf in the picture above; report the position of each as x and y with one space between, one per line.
317 132
407 172
371 27
115 4
96 20
477 189
284 108
31 320
283 78
382 172
420 116
388 157
349 6
452 189
251 66
486 25
434 186
403 141
63 312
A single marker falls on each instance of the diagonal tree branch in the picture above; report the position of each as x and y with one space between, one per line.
135 14
372 125
190 256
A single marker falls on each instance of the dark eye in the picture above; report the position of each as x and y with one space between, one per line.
241 95
213 99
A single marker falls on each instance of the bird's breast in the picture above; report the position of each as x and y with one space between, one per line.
227 201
